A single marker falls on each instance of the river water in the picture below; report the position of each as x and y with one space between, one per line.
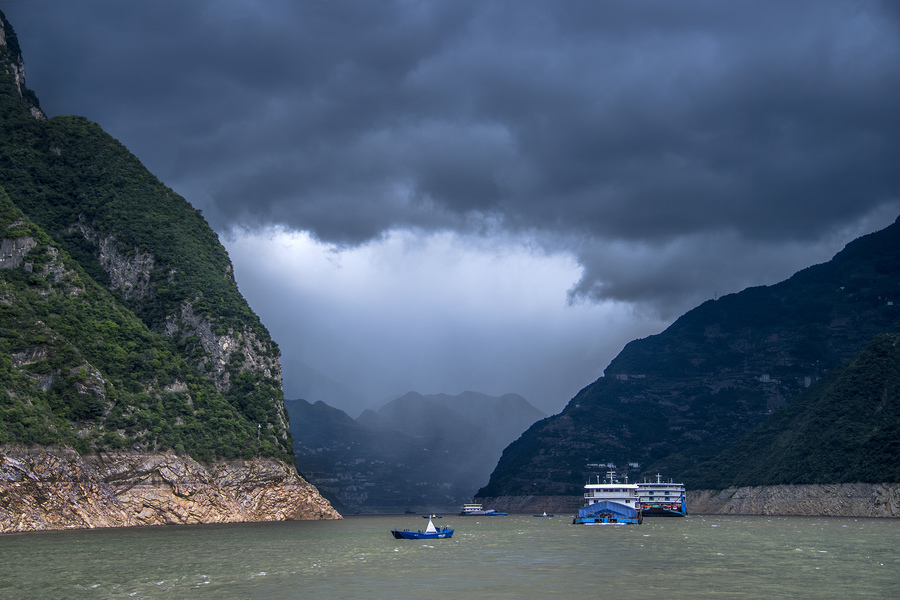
496 557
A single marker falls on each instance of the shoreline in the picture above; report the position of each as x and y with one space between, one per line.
880 500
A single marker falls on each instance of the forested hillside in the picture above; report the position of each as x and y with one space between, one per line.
844 429
121 325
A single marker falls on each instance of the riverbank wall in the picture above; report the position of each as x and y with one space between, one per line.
836 500
833 500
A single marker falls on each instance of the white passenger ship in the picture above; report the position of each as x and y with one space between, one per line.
609 502
661 498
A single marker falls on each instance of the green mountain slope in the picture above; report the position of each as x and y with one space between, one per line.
845 429
122 325
673 400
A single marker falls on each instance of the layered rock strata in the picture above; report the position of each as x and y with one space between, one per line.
56 488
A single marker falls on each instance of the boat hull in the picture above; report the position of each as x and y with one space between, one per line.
659 511
606 521
483 513
421 535
607 512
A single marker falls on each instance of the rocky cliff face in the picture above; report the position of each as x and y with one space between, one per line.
56 488
257 355
13 251
130 275
16 66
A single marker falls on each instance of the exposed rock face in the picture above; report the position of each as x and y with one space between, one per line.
218 347
128 274
55 488
12 256
17 66
838 500
13 251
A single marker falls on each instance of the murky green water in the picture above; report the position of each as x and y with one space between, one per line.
499 557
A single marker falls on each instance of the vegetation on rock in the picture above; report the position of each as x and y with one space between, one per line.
844 429
121 325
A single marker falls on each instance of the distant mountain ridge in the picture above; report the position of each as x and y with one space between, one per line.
670 401
417 451
312 385
506 416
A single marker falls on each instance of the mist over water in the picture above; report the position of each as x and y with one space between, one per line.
499 557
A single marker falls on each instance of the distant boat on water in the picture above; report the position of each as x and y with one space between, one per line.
542 515
476 510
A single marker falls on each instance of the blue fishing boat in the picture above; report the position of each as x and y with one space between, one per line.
543 515
431 533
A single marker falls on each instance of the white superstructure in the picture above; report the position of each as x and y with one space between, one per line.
663 498
611 491
472 510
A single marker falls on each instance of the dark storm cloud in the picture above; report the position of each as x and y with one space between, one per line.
660 125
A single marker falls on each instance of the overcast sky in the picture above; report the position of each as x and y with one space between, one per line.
489 195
